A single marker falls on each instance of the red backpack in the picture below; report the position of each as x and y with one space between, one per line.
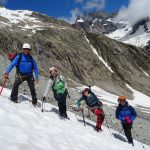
11 56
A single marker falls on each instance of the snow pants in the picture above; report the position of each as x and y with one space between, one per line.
61 99
127 130
18 80
100 116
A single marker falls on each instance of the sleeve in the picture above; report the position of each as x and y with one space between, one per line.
35 69
13 64
78 101
64 80
48 87
133 113
118 114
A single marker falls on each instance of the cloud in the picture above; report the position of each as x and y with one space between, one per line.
94 4
86 5
74 14
3 2
136 10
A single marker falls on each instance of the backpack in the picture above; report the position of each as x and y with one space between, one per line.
13 56
58 86
98 103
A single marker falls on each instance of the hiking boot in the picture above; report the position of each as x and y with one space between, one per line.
98 129
131 143
15 101
62 116
34 102
66 117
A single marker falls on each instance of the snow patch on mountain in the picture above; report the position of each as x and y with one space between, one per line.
80 20
15 16
100 58
140 38
145 72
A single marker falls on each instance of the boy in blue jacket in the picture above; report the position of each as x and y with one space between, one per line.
126 114
25 65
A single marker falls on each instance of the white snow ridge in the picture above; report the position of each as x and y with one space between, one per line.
23 127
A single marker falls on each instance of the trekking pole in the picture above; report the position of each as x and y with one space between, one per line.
89 113
68 94
3 86
83 117
42 108
119 133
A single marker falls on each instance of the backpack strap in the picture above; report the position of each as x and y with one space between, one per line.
31 58
20 57
17 66
54 81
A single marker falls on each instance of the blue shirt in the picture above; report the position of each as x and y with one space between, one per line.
26 66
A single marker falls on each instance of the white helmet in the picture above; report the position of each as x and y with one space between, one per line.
52 68
26 46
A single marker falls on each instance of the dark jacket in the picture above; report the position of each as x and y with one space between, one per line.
125 110
91 100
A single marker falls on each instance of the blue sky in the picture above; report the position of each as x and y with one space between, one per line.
66 9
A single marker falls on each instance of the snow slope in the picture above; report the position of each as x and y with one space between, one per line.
109 99
23 127
15 16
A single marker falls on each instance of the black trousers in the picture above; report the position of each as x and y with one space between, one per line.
18 80
127 130
61 99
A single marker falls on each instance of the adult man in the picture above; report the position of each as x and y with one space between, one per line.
25 65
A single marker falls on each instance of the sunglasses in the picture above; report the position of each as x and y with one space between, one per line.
27 49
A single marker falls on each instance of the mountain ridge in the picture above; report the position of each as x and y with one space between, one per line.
57 43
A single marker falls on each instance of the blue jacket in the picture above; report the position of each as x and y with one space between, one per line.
26 65
124 111
91 100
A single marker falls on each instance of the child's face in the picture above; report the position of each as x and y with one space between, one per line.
53 73
86 93
122 102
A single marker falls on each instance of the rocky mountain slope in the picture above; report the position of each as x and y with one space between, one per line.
85 58
137 34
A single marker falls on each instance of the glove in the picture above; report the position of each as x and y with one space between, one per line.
127 120
36 80
66 90
6 76
79 109
44 98
100 104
